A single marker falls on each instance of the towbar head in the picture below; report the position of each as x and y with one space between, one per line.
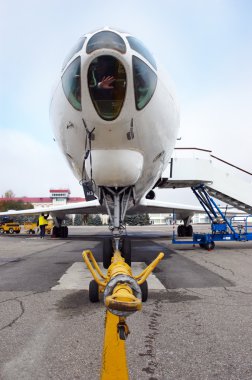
123 296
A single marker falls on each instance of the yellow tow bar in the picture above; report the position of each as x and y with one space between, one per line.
122 296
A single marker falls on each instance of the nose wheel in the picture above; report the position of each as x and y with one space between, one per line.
126 251
107 252
108 249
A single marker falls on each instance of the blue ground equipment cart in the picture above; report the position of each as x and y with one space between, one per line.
236 228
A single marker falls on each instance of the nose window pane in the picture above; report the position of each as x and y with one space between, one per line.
108 40
138 46
145 81
76 48
71 83
107 86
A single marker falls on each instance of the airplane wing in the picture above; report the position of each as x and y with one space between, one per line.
153 206
182 211
91 207
94 207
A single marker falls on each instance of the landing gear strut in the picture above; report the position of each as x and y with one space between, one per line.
117 201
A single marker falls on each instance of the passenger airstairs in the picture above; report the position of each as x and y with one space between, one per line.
190 167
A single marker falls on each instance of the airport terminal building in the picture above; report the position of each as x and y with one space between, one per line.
58 197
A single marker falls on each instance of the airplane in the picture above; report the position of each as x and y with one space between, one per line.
116 119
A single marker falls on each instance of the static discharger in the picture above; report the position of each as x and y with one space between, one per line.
123 295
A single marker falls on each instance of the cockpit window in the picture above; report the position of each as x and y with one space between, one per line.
145 81
107 86
106 39
71 82
138 46
75 49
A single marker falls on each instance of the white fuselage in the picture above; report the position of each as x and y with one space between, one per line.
131 149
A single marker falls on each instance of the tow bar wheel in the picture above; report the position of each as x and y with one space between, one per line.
144 290
93 291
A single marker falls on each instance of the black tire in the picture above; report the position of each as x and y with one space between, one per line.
144 290
63 231
93 291
1 230
56 232
11 231
210 246
66 231
189 230
181 231
126 251
107 253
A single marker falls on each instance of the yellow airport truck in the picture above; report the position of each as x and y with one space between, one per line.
10 228
32 227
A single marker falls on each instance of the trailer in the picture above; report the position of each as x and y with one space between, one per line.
32 227
223 229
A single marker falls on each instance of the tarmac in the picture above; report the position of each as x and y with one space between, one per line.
196 323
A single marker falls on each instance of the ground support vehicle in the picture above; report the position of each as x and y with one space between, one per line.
32 227
10 228
236 228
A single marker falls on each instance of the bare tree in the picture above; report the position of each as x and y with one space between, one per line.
9 194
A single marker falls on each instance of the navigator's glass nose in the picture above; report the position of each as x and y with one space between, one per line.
107 86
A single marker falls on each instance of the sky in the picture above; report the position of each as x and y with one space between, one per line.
204 45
